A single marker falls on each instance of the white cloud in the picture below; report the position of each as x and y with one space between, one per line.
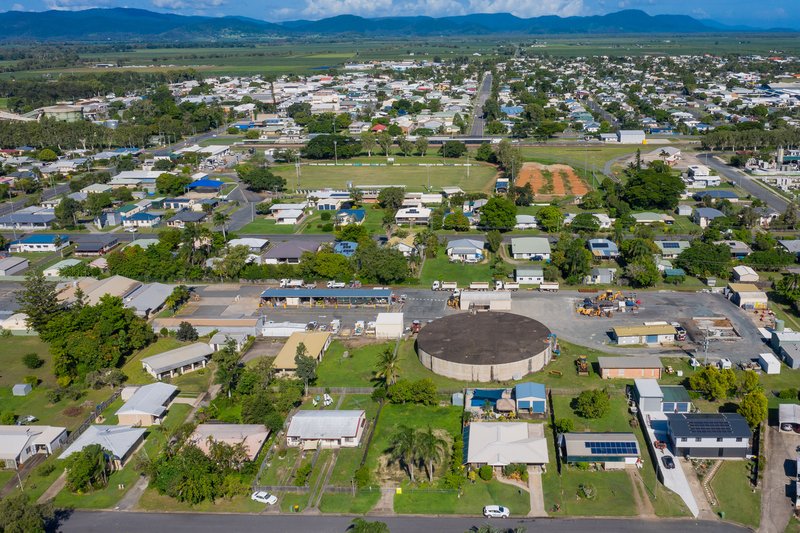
74 5
18 7
198 5
331 8
528 8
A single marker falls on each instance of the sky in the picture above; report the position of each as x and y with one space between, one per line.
766 13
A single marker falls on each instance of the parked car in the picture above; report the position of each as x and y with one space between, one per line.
264 497
787 427
27 419
496 511
668 462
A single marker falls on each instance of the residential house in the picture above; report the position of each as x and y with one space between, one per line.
703 216
739 250
716 195
601 276
94 245
500 444
405 245
147 299
533 248
181 218
255 245
205 186
709 435
10 266
145 405
603 219
219 340
628 367
178 361
29 218
119 441
316 344
141 220
326 429
526 222
20 443
613 450
649 218
791 246
671 249
465 250
289 252
251 436
55 270
603 248
529 276
413 215
288 216
39 243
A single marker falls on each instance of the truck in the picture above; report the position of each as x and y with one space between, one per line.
506 285
292 283
336 325
548 286
479 286
336 284
444 286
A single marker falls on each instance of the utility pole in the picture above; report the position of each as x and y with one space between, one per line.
335 155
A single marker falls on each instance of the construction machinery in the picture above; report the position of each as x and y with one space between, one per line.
416 325
582 364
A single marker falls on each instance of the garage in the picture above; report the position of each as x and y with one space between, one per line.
389 325
789 417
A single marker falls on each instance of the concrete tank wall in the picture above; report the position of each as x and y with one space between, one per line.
486 373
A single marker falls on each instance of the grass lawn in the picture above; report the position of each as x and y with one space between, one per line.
417 416
414 177
13 371
345 502
193 383
59 414
133 368
617 418
153 501
108 414
613 489
349 459
268 227
736 498
280 467
355 370
472 501
440 268
665 502
585 157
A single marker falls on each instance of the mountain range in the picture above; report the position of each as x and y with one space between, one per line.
137 24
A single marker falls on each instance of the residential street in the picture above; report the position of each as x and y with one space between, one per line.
122 522
746 182
478 122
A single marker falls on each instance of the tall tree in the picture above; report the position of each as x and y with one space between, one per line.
18 514
388 367
38 300
432 449
404 448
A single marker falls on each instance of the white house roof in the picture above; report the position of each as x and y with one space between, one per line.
250 242
14 439
503 443
648 388
185 355
148 400
530 245
116 439
324 424
251 436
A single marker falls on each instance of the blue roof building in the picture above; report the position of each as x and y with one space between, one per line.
603 248
205 183
345 248
350 216
716 195
531 398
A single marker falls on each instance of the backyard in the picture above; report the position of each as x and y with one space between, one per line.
737 501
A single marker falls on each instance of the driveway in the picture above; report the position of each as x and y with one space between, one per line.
777 491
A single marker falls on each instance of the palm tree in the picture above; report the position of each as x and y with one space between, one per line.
432 449
221 219
388 367
404 448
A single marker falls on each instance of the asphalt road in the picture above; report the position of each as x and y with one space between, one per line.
478 122
121 522
746 182
47 193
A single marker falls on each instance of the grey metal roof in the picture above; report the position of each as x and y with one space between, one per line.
148 297
284 250
708 425
530 245
324 424
185 355
116 439
148 400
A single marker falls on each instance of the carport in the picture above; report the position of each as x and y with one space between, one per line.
789 417
326 297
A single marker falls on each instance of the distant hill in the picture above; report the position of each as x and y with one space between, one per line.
138 24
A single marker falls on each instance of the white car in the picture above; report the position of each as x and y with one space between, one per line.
131 230
496 511
264 497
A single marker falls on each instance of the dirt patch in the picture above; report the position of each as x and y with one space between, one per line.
551 180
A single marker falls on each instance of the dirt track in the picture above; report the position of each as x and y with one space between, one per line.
562 179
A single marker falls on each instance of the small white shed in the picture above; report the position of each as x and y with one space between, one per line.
769 363
21 389
389 325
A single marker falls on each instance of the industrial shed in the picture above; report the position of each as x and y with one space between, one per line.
323 297
389 325
630 367
747 296
648 335
485 300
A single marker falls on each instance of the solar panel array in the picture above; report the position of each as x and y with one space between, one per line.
671 245
608 448
713 426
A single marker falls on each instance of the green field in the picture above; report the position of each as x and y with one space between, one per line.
3 103
415 178
440 268
262 226
587 157
735 495
472 501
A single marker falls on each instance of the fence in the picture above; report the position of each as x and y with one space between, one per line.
282 488
99 408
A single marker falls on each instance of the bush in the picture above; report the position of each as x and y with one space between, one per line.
485 472
325 216
164 332
362 477
54 395
46 469
302 474
788 394
327 228
33 381
32 360
186 332
592 404
564 425
516 471
8 418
